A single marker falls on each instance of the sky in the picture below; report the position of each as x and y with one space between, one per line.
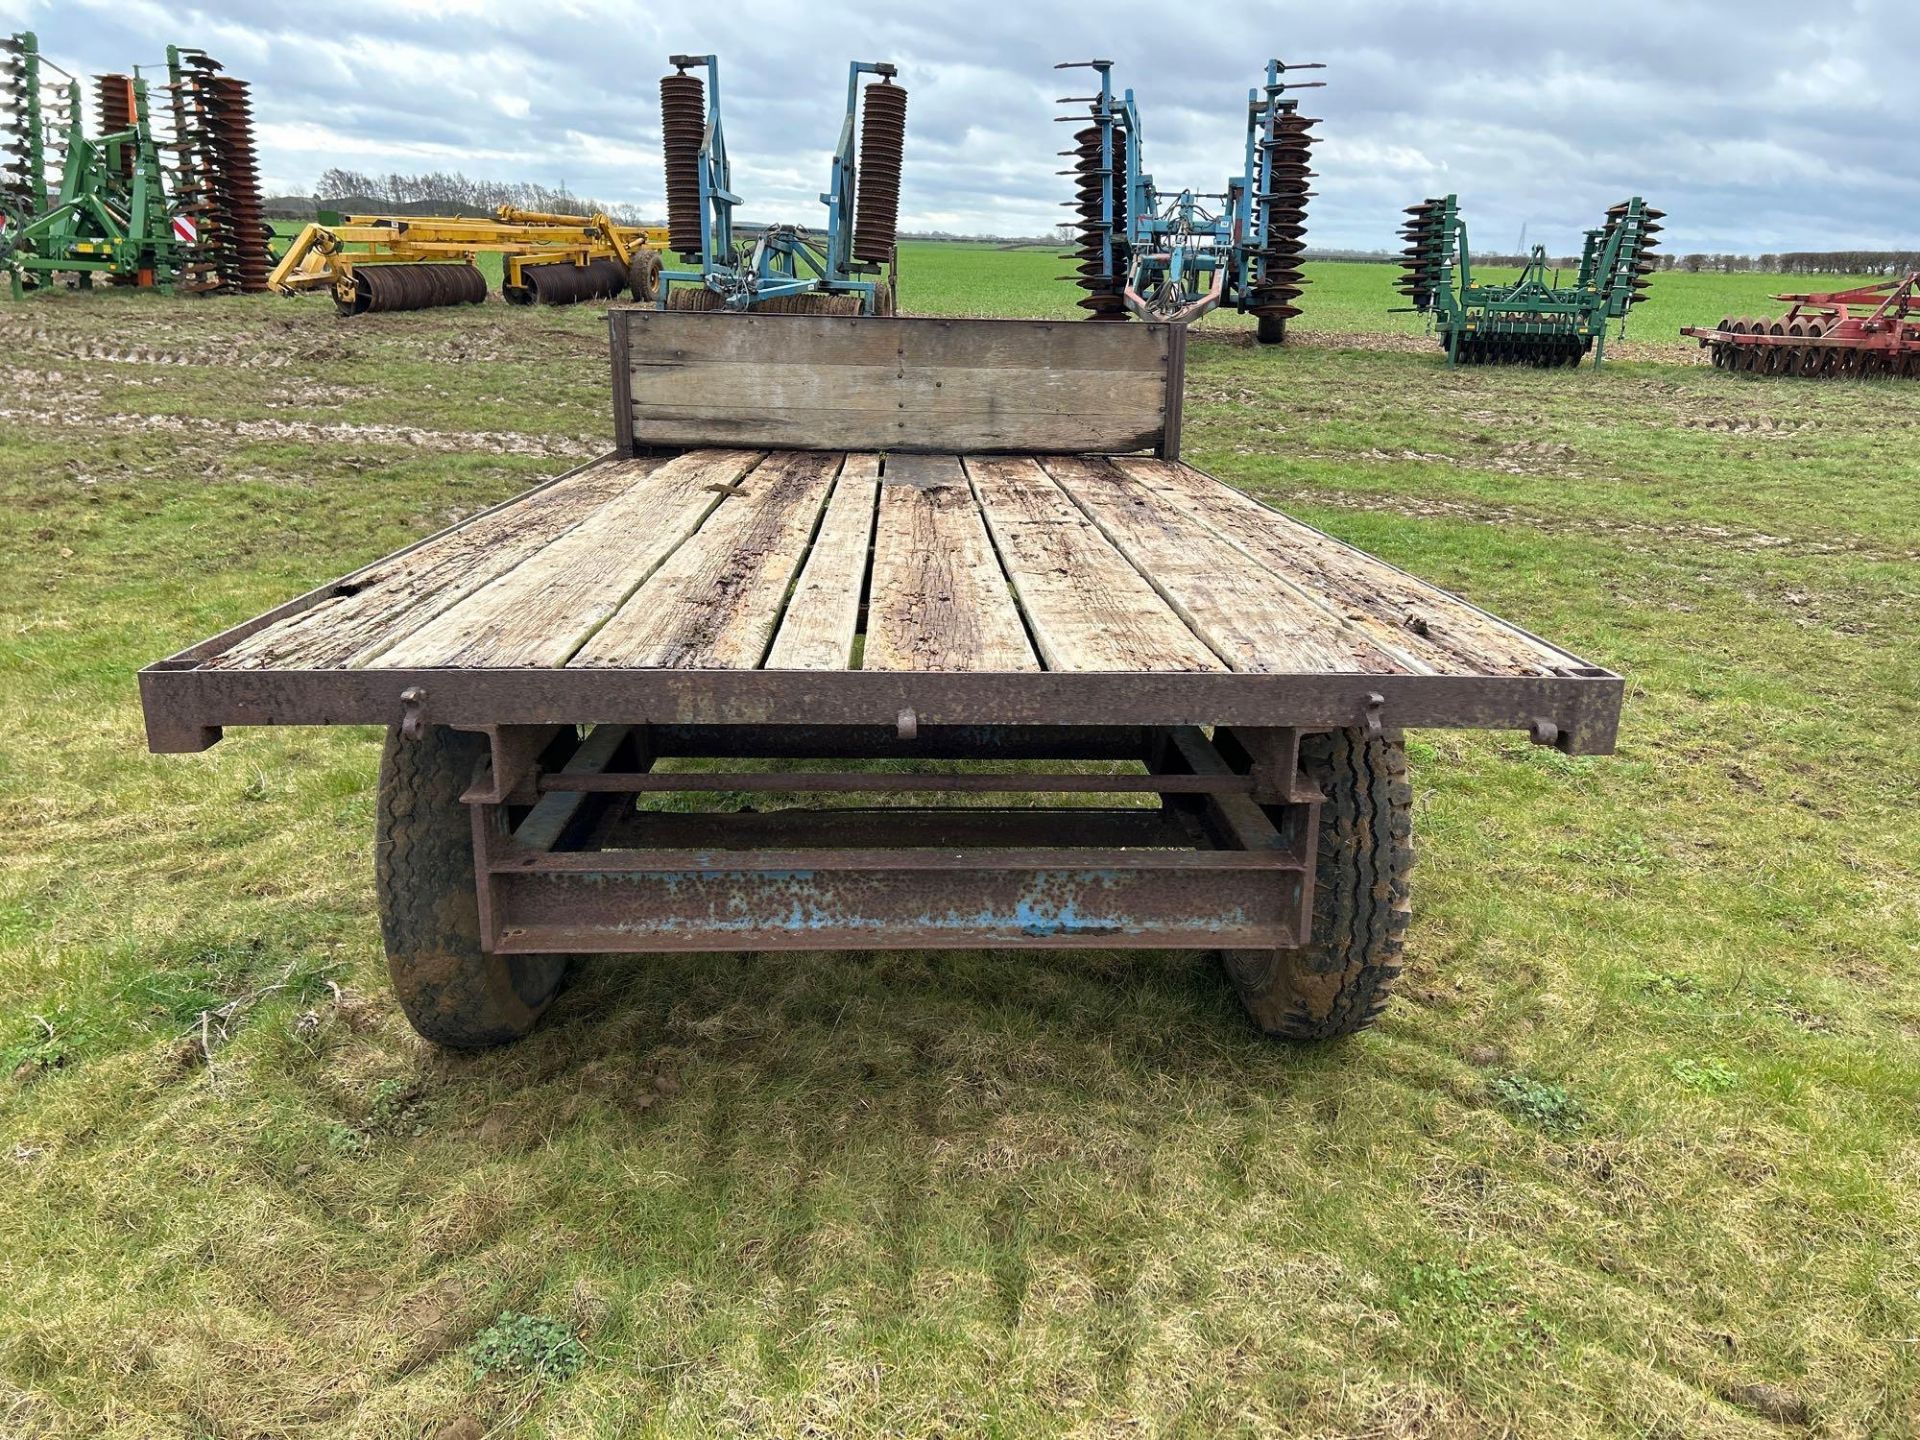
1757 125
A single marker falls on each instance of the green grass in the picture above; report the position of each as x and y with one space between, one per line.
1342 298
1639 1132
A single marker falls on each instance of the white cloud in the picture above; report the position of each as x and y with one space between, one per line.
1790 127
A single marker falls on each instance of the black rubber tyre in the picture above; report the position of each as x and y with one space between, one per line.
1338 982
1271 329
643 278
453 993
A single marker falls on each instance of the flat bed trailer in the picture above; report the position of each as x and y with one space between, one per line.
848 541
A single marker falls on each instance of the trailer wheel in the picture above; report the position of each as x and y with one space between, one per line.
1338 982
643 277
453 993
1271 329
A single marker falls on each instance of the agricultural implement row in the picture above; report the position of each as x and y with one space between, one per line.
1872 330
123 204
1534 319
850 269
375 263
1161 255
929 562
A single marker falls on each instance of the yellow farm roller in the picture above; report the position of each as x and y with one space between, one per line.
415 262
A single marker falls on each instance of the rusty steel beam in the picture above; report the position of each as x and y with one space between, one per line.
816 879
1138 827
989 904
862 782
187 707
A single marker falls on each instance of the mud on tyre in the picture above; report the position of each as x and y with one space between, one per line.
1338 982
453 993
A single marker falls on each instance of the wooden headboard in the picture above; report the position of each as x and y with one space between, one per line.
685 379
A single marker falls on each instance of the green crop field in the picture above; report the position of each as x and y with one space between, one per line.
1341 297
1635 1151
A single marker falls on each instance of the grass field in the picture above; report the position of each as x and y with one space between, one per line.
1341 297
1636 1152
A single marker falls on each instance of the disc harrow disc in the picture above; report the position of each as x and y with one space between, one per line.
683 124
883 138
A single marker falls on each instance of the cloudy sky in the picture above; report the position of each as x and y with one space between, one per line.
1759 125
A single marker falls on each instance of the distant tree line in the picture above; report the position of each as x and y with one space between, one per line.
1805 262
441 192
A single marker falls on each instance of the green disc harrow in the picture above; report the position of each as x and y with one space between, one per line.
1536 319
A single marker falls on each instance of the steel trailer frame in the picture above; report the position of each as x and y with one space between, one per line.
1208 842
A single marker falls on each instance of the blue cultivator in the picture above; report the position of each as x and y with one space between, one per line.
1175 256
849 271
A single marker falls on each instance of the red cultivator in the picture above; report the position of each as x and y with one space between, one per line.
1872 330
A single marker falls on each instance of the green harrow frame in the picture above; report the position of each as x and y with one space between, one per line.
1535 319
109 216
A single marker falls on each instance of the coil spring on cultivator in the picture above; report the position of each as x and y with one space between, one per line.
22 155
114 106
245 258
1642 223
219 181
1174 256
786 267
1428 256
683 122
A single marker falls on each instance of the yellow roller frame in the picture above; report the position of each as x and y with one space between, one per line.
323 256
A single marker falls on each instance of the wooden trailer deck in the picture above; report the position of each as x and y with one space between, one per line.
816 520
889 571
811 560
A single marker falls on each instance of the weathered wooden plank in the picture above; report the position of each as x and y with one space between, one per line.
544 609
1252 620
391 598
714 604
1406 613
939 600
779 384
823 617
925 470
1087 607
669 337
892 422
833 383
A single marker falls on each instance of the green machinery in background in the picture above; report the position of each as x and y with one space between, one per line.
1534 320
108 205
